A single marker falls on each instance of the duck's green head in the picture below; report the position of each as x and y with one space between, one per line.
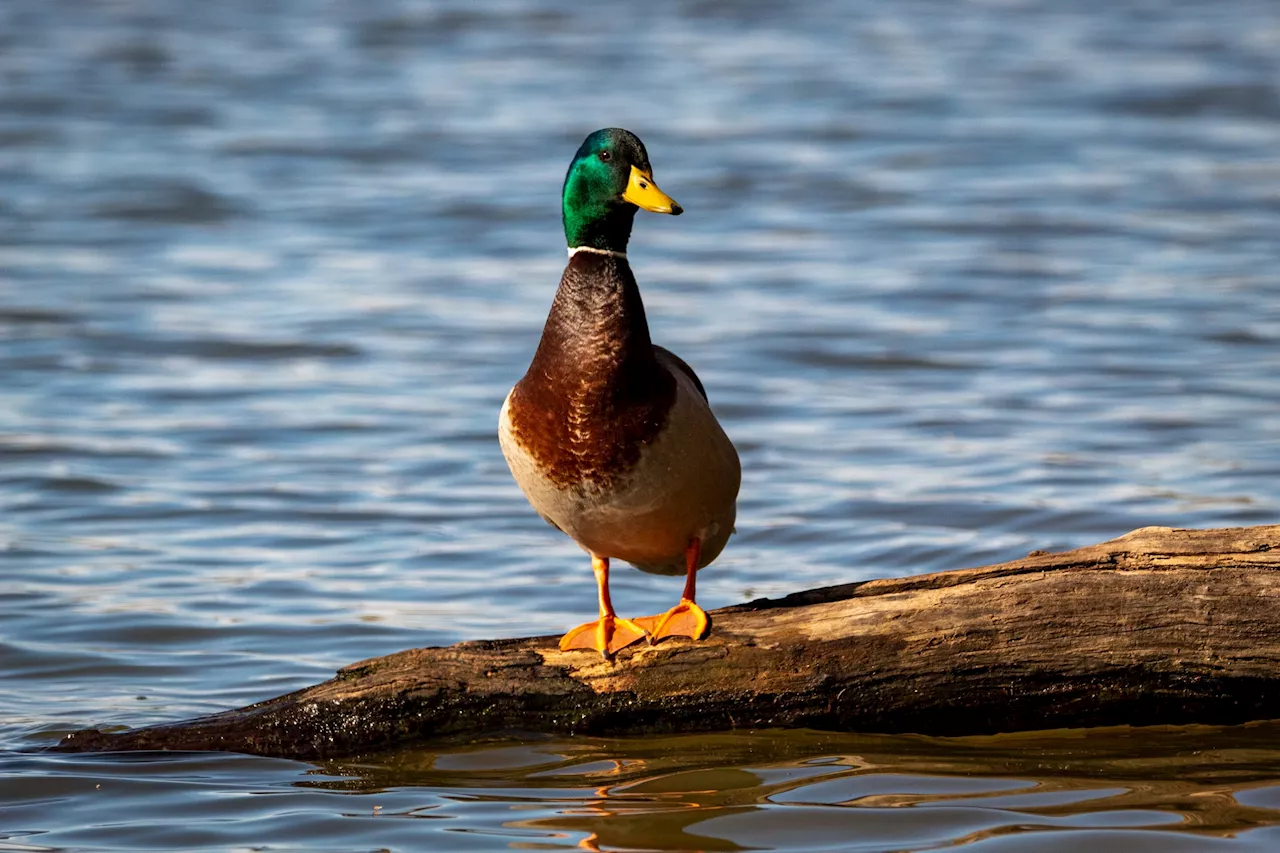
609 178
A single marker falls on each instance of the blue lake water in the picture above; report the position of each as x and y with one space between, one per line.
963 280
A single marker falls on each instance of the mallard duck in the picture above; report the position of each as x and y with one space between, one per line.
610 436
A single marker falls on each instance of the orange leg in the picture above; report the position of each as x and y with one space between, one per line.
608 634
686 619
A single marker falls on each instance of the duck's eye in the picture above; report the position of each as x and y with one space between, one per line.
606 156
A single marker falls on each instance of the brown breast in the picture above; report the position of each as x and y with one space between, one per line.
594 394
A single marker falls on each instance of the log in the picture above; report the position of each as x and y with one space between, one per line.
1160 626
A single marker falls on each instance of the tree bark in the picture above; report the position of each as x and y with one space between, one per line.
1161 626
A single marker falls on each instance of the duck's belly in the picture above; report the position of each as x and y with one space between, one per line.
685 484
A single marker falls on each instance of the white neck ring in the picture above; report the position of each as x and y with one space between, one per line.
573 250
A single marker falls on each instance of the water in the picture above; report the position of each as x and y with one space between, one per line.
963 281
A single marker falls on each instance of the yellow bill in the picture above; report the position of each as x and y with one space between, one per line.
643 192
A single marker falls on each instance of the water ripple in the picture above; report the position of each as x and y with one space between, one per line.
961 285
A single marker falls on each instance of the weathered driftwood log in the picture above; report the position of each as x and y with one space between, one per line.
1159 626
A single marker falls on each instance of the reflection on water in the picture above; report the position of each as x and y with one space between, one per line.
1113 789
812 790
962 280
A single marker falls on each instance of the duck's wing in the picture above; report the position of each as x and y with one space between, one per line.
669 358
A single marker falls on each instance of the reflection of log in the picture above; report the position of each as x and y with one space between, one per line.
700 791
1159 626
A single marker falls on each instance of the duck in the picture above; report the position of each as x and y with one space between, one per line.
610 436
